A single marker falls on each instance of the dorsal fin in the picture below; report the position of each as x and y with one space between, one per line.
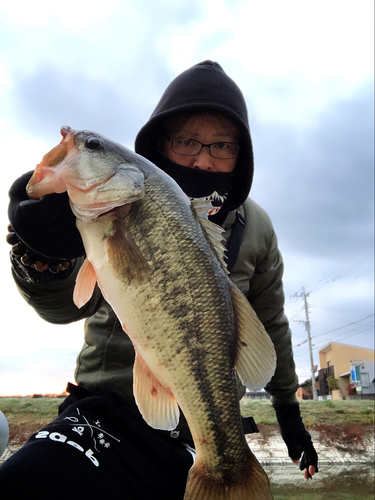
213 232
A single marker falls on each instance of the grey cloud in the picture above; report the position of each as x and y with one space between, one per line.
51 98
316 182
321 179
115 104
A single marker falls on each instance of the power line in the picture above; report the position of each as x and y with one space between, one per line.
363 328
349 336
345 326
332 317
338 273
329 278
334 339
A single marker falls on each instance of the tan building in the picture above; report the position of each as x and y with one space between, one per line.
337 359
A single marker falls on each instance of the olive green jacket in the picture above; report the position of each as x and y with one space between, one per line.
107 355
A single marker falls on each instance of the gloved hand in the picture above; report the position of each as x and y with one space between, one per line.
46 226
296 437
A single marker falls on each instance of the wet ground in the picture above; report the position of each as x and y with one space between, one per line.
332 482
342 475
346 468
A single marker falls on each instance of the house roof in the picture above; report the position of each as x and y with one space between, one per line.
328 347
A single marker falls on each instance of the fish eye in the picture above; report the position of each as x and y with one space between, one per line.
93 143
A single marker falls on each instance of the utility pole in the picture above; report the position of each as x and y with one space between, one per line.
308 329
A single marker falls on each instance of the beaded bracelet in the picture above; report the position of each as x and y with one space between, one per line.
27 258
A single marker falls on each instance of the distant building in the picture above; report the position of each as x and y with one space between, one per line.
338 359
256 395
305 390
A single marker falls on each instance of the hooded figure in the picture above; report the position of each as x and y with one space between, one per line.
254 260
46 257
203 88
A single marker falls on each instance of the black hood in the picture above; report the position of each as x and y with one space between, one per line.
204 87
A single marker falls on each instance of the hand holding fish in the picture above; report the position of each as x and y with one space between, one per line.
47 225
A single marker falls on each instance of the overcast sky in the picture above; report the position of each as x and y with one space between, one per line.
306 70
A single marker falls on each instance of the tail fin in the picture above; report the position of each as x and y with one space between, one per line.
252 485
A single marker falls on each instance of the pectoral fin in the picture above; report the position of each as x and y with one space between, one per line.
256 358
85 284
125 257
155 402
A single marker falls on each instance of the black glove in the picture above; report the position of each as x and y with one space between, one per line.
46 226
296 437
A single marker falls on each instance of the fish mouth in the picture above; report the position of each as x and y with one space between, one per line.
86 206
90 195
59 152
99 210
88 188
44 179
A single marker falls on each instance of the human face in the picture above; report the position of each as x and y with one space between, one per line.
206 128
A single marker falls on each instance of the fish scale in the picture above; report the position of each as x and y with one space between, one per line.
160 266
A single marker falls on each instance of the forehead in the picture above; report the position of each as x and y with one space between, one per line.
194 122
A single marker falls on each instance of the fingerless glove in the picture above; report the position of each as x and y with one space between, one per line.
295 436
46 226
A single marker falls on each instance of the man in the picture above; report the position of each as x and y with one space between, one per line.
198 134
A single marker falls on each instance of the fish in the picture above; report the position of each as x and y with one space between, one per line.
160 264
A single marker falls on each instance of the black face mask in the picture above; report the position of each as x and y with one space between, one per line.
198 183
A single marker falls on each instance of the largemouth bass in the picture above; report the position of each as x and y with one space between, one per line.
159 263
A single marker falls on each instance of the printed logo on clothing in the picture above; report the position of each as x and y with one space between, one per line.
79 430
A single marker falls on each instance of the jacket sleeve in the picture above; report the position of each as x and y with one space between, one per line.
53 301
267 298
259 271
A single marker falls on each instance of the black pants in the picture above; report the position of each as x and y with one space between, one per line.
97 449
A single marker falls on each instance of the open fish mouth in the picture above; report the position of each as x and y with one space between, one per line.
59 152
44 176
75 165
46 171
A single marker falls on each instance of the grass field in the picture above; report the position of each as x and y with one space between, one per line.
26 415
315 412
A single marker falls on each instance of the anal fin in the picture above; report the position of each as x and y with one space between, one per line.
155 402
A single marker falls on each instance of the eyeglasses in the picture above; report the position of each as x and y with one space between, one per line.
192 147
